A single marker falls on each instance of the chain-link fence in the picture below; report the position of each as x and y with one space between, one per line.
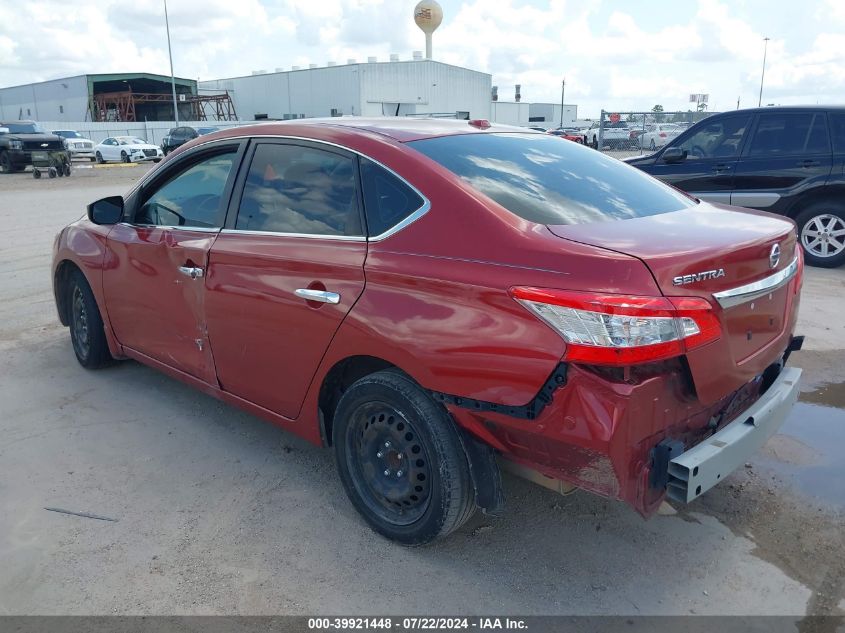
631 133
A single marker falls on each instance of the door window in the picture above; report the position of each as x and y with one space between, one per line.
296 189
721 138
837 132
192 198
784 134
387 200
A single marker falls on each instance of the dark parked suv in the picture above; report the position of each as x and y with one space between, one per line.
787 160
177 136
23 141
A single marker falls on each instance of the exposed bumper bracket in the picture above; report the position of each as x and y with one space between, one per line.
704 465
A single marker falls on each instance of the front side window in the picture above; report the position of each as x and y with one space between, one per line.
541 179
783 134
387 200
192 198
721 138
296 189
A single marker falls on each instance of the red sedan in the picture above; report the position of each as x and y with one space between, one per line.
438 299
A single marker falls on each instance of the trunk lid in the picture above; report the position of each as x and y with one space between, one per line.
703 252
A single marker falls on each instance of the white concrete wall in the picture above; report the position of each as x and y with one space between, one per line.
551 113
509 113
58 100
377 89
310 92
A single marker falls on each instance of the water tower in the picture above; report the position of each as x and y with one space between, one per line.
428 15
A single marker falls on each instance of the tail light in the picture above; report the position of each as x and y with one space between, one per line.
606 329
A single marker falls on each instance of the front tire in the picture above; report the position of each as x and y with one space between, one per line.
86 325
821 230
124 157
5 163
400 459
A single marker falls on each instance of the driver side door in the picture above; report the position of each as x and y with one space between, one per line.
154 278
713 149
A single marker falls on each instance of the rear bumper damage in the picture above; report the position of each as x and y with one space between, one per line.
695 471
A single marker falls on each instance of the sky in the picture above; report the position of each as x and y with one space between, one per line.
614 55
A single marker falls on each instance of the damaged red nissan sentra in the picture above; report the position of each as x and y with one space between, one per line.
436 300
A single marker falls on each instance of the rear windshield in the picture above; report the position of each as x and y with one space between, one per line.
549 180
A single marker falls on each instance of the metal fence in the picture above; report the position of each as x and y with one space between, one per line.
151 131
639 132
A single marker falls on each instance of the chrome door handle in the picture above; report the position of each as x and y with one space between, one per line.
191 271
317 295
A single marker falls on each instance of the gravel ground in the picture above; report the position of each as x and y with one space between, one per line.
218 512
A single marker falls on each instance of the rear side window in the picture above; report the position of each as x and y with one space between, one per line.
297 189
544 179
387 200
788 133
837 132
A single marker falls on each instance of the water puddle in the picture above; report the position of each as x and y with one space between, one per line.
831 395
807 452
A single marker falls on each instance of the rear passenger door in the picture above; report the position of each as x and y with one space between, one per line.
787 154
285 270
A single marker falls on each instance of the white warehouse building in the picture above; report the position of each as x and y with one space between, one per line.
417 87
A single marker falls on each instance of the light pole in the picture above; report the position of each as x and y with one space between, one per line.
562 93
763 74
172 77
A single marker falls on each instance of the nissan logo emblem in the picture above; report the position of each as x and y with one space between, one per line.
774 255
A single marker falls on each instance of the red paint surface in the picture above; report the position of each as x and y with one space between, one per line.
434 301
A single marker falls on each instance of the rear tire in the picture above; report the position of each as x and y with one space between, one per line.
99 158
124 157
400 459
821 231
5 163
86 325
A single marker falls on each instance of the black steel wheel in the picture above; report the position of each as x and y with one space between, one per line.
401 460
86 324
36 173
385 455
66 168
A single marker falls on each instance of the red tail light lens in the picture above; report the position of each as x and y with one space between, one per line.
605 329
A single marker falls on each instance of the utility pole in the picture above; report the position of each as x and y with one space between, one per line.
763 74
562 93
172 76
737 103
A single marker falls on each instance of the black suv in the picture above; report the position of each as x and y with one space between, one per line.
22 139
177 136
787 160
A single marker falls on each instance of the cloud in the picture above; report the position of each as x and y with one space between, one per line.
614 55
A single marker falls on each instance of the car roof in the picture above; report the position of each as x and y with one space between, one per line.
789 108
398 128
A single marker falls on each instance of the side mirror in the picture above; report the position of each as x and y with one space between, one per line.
674 155
106 211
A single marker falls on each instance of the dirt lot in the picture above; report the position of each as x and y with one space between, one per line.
218 512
